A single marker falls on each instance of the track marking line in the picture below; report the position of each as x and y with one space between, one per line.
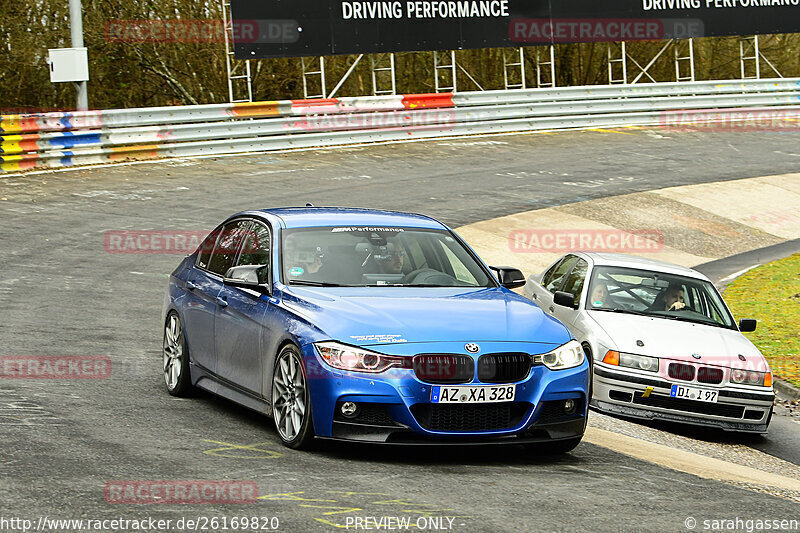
603 130
260 452
292 497
351 493
737 274
338 509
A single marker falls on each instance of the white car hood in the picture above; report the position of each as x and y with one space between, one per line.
673 339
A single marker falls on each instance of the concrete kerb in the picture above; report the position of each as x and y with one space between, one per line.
786 389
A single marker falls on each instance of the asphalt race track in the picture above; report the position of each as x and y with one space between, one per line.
63 293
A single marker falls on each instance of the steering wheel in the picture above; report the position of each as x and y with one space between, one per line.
429 276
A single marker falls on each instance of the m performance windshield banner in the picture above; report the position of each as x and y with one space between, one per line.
293 28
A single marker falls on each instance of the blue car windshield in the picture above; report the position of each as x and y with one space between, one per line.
356 256
657 294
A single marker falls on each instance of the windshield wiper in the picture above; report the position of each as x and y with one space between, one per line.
308 283
426 285
618 310
401 285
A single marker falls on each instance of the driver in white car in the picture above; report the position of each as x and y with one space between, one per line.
669 300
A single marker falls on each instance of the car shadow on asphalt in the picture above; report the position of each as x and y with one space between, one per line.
418 454
443 454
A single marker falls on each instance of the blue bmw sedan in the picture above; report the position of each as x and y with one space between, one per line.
375 326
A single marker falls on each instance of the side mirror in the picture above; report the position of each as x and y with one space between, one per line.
509 277
564 299
246 276
747 325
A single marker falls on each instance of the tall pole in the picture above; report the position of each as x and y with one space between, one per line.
76 31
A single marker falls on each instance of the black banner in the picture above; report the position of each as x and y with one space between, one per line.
293 28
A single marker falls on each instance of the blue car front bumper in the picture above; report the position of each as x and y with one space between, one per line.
395 406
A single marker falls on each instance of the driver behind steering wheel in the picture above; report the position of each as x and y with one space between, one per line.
670 300
391 262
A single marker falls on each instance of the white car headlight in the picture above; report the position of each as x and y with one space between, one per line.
568 355
749 377
343 357
641 362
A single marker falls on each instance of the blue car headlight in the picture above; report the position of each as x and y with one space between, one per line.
343 357
567 355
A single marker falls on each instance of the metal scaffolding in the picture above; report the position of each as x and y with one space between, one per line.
383 74
617 55
448 68
314 74
619 59
445 68
240 83
381 70
514 69
681 73
750 58
350 70
546 67
622 67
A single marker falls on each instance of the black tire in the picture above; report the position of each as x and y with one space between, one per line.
557 447
175 361
291 400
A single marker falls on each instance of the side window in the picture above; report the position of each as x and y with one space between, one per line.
548 276
576 279
204 257
554 277
228 244
255 250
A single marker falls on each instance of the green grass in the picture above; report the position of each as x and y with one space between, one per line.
771 294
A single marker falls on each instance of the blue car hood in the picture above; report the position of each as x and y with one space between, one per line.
371 316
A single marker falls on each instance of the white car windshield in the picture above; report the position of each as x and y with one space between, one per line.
355 256
657 294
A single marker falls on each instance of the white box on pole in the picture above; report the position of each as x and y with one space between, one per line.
68 64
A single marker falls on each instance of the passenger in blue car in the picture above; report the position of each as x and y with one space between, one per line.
308 264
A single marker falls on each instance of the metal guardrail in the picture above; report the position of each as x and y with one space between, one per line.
52 140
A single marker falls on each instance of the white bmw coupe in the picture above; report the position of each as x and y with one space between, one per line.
662 341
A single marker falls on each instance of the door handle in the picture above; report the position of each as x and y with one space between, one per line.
222 302
534 295
190 285
552 309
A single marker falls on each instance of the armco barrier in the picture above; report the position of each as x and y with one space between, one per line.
51 140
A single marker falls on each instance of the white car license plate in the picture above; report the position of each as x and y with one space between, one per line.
476 394
690 393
